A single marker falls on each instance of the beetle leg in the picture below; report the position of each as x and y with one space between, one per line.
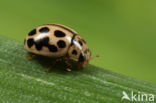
53 63
30 57
68 64
79 64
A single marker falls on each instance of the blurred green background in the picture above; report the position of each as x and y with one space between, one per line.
122 32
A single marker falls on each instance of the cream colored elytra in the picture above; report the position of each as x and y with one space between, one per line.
55 41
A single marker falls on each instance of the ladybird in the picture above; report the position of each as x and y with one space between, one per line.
58 41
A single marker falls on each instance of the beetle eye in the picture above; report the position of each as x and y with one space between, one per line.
82 58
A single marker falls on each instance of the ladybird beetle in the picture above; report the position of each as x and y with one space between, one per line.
58 41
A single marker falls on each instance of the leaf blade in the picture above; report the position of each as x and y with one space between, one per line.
29 80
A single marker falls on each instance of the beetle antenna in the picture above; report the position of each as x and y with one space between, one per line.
97 56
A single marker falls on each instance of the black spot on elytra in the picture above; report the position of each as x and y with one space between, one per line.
41 42
52 48
44 30
59 33
74 52
38 46
45 42
33 32
30 42
61 44
80 43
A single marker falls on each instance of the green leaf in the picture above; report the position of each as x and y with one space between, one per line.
26 81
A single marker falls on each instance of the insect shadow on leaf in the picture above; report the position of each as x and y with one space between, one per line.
54 64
